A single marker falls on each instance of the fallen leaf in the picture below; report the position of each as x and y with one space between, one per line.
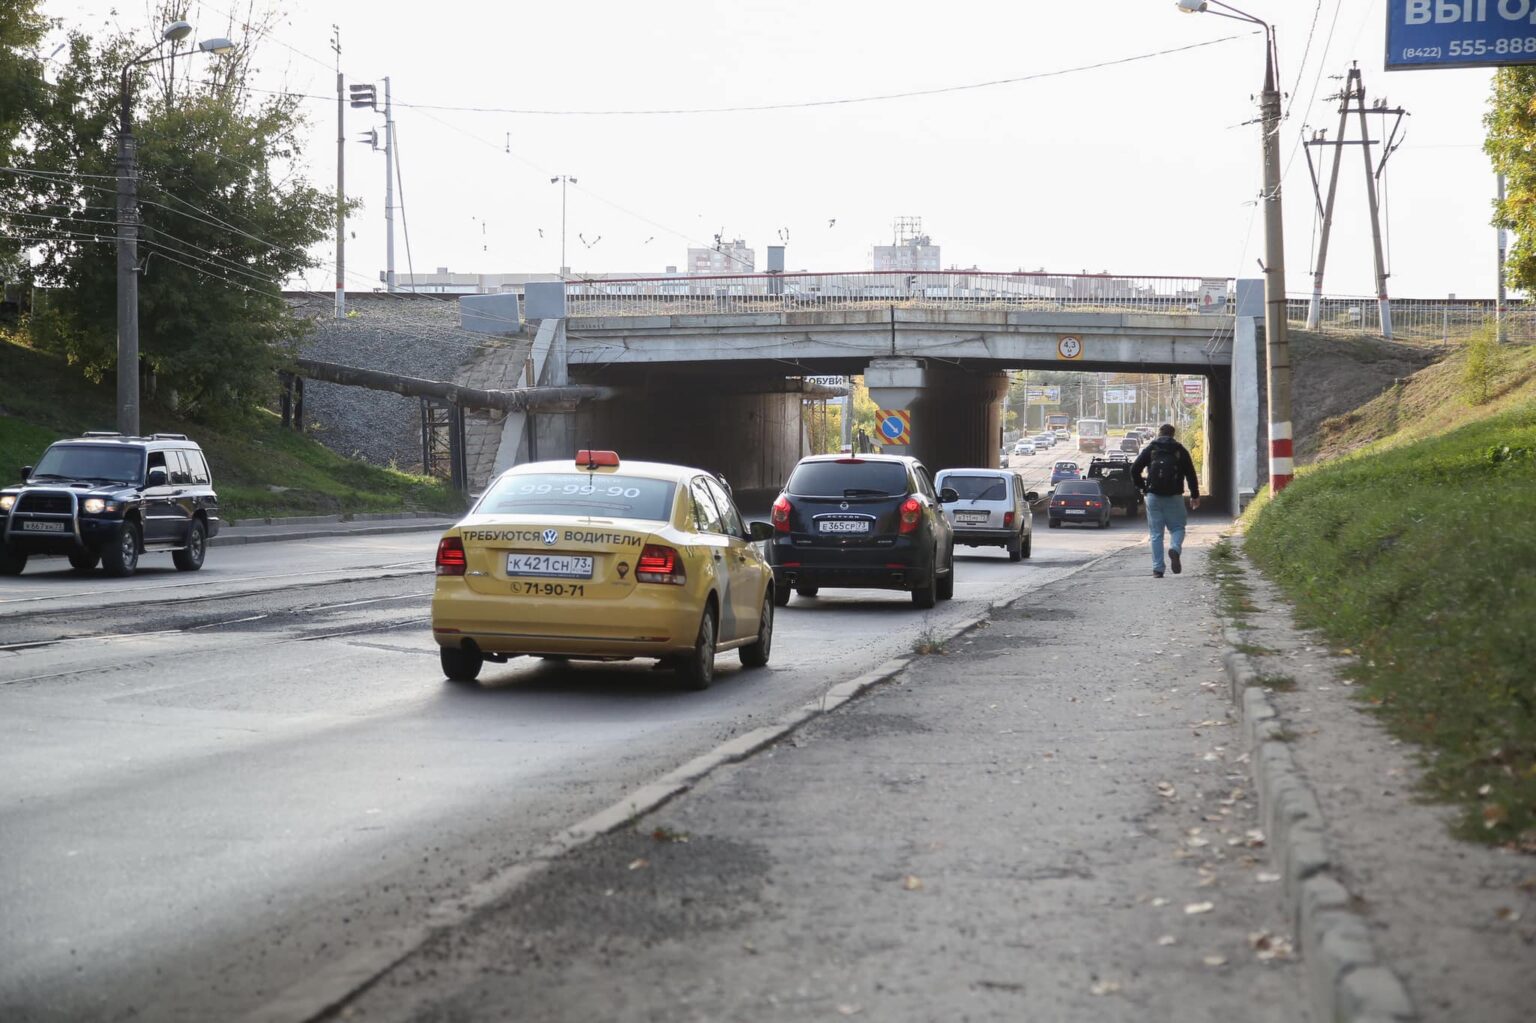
1494 814
1167 790
849 1010
1167 939
1255 838
639 864
1505 913
1482 791
1194 908
1215 960
1265 877
912 883
1104 987
1159 901
1197 842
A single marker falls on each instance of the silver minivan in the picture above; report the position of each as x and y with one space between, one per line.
993 509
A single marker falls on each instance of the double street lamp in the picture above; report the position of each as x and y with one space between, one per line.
1275 328
563 179
128 226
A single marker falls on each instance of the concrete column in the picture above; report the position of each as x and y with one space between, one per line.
899 384
1247 407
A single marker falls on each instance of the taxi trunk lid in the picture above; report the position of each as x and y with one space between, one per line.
592 559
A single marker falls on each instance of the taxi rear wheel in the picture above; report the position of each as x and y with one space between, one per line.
697 669
755 655
461 665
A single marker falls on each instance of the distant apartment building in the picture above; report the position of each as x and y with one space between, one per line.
732 257
911 249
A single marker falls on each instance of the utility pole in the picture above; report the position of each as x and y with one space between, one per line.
389 192
1352 101
1276 329
127 266
341 180
1498 308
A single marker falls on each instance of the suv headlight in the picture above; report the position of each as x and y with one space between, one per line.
93 506
6 500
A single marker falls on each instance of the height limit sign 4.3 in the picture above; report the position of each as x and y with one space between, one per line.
1069 346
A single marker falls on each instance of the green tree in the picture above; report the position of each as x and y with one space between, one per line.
1511 143
1480 371
224 222
22 97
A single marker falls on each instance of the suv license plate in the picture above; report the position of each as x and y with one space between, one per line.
43 527
845 526
550 566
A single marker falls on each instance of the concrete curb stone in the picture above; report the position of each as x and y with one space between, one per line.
301 533
1347 980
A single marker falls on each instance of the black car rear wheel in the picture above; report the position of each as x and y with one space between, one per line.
945 585
190 557
807 591
926 595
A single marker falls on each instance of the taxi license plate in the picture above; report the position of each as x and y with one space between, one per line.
43 527
845 526
550 566
971 517
1077 511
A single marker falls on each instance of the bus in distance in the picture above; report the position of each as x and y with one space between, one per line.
1092 434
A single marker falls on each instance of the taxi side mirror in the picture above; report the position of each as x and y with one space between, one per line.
760 530
949 495
156 478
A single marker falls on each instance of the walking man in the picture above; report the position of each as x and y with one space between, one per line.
1167 467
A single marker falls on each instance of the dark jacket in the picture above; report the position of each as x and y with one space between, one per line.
1186 468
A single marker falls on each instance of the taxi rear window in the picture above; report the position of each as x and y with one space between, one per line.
578 493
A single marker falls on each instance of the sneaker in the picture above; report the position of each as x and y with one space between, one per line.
1174 563
1156 574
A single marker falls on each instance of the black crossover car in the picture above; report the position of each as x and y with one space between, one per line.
855 521
108 498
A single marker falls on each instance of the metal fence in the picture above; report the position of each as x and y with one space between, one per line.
775 292
1416 319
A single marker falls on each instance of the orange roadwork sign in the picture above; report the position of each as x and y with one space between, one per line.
894 426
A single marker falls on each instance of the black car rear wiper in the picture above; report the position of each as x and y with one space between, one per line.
864 492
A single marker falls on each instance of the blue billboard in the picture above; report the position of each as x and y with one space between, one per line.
1460 33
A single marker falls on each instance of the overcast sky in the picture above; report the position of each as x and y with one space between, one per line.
1143 167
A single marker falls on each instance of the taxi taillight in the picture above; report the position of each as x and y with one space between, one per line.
450 556
911 515
660 564
779 516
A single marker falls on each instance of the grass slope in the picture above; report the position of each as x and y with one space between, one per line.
259 469
1416 552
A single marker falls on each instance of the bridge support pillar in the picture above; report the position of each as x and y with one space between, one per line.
955 414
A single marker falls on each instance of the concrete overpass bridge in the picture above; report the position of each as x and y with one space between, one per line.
712 370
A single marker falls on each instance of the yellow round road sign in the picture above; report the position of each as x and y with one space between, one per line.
1069 346
895 426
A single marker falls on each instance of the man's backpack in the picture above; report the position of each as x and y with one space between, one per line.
1164 475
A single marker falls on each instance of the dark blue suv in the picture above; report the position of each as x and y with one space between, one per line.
106 498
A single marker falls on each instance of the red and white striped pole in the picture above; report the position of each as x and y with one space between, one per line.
1280 464
1275 313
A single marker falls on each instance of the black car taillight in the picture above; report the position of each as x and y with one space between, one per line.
779 516
911 515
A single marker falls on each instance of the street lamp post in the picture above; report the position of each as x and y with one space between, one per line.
128 226
1275 325
564 179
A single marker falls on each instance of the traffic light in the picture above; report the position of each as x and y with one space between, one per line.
364 96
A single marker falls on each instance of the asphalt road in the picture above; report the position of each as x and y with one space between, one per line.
214 784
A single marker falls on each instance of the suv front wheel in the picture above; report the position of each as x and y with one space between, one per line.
120 555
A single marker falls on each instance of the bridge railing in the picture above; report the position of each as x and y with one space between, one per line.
878 289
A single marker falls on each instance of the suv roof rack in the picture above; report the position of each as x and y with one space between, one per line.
101 433
167 436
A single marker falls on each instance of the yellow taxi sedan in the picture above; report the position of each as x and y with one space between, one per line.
594 560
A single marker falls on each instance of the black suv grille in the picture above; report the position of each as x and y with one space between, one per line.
45 504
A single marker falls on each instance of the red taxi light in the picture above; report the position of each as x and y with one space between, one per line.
911 515
660 564
450 556
779 516
587 458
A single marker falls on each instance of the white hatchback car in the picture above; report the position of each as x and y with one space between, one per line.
1024 447
993 509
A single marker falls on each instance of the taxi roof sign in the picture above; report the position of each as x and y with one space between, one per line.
588 458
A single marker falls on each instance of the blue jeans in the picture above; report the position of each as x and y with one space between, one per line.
1166 512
